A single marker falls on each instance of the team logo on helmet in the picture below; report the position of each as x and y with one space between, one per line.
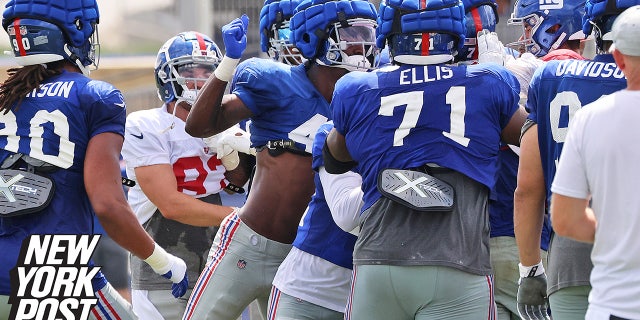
551 4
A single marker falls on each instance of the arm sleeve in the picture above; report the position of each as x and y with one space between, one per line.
344 197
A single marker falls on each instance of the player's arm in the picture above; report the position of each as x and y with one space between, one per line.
573 218
529 199
103 184
344 194
213 111
335 155
511 132
158 182
570 210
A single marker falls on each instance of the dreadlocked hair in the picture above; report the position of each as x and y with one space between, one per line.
23 80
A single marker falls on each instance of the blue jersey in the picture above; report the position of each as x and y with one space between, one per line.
501 199
557 91
408 116
284 103
318 234
55 123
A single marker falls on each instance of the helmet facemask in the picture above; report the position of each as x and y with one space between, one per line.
529 24
351 45
280 47
188 74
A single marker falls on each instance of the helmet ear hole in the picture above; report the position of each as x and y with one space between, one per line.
162 75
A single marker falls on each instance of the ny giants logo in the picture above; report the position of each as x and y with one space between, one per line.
551 4
52 279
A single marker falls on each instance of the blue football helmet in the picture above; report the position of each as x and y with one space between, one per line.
275 33
421 32
42 32
599 16
336 33
480 14
547 25
175 63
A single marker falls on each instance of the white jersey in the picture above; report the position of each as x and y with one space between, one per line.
313 279
600 159
149 141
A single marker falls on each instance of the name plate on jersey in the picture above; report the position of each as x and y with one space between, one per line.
416 190
23 192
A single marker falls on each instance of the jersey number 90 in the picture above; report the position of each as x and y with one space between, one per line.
57 120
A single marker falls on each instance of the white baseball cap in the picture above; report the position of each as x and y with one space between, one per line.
625 32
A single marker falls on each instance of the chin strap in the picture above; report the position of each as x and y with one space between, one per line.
173 123
74 58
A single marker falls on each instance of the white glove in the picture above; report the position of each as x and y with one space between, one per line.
229 157
490 49
236 139
170 267
523 68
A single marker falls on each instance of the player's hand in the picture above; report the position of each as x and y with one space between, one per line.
178 275
234 35
170 267
523 68
490 49
237 139
227 155
532 298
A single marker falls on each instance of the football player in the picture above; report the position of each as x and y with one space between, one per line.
286 105
313 281
178 177
557 91
594 188
424 135
63 127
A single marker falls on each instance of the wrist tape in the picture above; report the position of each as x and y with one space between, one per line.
159 260
226 68
532 271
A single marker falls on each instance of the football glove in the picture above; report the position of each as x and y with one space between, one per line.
170 267
228 143
236 139
234 35
523 68
532 293
490 49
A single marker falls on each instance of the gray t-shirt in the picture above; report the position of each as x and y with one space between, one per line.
393 234
188 242
562 263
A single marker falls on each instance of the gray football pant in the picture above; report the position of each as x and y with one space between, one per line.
419 292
